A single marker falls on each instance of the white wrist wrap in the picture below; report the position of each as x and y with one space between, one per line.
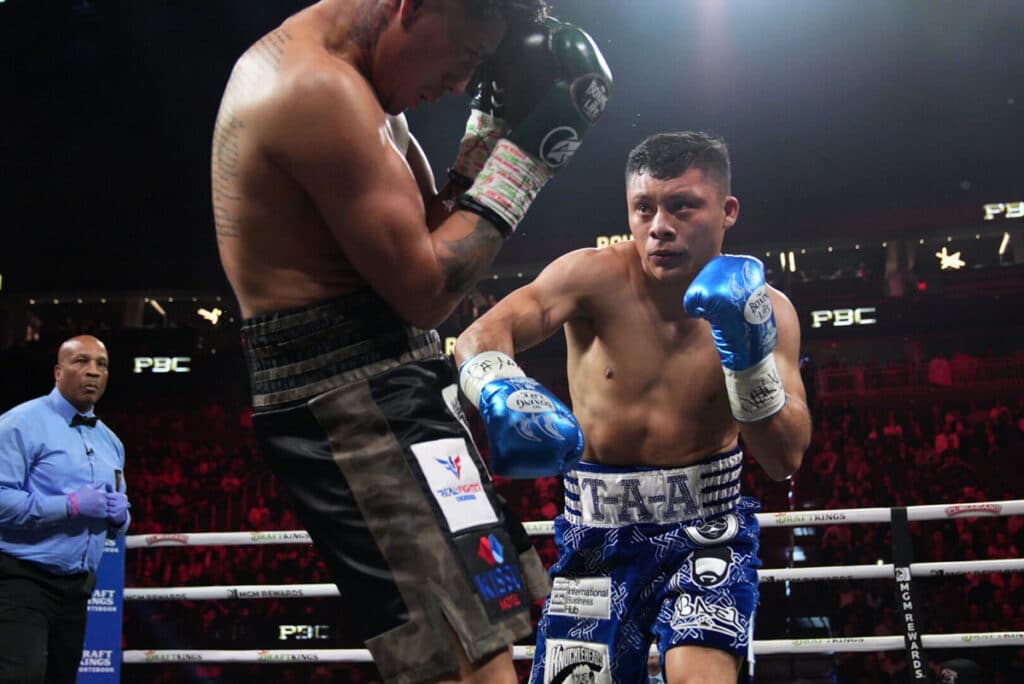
484 368
482 133
509 182
755 393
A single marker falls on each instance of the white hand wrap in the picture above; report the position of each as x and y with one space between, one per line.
482 133
755 393
509 182
484 368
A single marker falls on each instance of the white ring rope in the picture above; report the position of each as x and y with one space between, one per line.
539 528
839 572
765 647
840 516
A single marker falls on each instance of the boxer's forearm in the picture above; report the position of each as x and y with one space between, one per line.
779 442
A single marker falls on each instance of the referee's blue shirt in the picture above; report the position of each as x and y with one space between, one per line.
42 460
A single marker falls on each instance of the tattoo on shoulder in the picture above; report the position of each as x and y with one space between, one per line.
225 176
465 260
371 21
271 47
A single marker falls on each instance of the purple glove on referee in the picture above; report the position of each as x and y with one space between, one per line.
117 507
89 500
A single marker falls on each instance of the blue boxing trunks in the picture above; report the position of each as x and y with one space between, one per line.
648 554
358 416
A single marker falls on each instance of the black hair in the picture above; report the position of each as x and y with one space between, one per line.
668 155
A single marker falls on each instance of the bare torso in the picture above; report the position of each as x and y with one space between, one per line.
646 382
275 247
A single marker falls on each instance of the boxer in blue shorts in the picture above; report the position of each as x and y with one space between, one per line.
674 351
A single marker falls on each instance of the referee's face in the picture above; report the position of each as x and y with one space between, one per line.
81 371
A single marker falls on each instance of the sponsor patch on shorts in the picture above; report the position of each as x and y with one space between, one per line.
582 597
710 612
454 481
494 571
715 531
712 566
569 662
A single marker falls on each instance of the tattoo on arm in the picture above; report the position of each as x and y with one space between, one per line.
225 177
465 260
270 48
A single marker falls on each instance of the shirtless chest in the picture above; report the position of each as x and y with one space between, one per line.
647 390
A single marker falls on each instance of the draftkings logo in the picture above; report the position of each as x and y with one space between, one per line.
103 601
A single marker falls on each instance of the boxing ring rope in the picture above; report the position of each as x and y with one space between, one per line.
839 516
540 528
761 648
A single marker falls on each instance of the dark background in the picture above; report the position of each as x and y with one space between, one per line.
860 120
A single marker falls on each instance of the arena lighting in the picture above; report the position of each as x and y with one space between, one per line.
212 316
1004 244
792 263
950 261
782 260
156 305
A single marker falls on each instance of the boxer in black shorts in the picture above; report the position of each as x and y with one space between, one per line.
387 481
343 255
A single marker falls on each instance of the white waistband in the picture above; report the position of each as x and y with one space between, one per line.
604 497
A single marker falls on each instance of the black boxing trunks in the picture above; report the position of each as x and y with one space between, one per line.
358 416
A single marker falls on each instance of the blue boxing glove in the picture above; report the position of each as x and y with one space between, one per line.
531 433
730 292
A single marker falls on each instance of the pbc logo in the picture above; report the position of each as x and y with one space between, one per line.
302 632
1010 210
491 550
162 364
453 464
840 318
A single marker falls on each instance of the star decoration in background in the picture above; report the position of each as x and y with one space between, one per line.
947 260
212 316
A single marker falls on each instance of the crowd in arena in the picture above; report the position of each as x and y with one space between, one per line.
196 470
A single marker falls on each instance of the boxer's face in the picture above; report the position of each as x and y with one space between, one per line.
678 224
81 372
439 49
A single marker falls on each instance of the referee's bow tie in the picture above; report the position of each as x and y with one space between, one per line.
79 419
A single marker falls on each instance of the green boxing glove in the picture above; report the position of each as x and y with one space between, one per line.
554 85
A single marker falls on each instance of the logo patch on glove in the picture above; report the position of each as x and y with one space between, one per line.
529 401
590 95
559 145
758 308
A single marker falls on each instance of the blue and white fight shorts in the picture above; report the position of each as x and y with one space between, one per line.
666 554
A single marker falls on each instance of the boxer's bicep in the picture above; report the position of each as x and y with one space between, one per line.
557 296
342 155
421 170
